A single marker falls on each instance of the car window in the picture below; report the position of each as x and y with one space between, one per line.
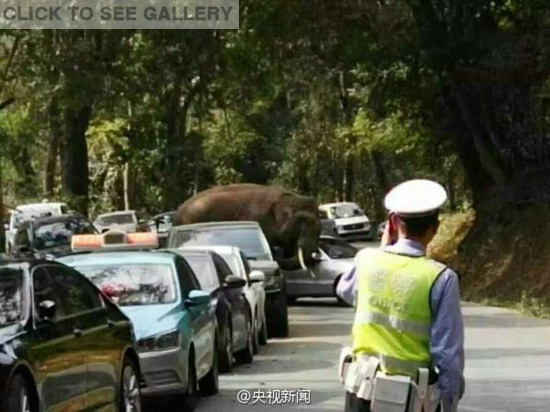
249 239
11 296
322 214
337 249
55 234
44 288
189 280
119 219
223 269
134 284
204 269
64 209
346 210
22 237
77 294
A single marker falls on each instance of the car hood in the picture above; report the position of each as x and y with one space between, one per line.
10 332
151 320
351 220
342 265
266 266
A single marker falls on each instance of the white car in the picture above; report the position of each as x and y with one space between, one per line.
349 220
254 290
125 220
30 212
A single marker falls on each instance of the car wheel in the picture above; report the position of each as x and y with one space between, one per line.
262 338
20 395
210 385
130 400
277 315
256 336
246 355
190 398
225 353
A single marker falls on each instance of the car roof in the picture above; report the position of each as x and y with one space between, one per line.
40 205
327 205
58 218
165 214
110 257
118 212
214 225
222 250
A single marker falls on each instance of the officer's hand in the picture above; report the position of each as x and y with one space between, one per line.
390 232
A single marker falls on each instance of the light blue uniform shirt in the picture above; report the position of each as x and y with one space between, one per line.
447 328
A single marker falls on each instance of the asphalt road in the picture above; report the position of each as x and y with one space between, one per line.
507 363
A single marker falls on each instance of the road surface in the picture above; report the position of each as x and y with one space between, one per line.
507 362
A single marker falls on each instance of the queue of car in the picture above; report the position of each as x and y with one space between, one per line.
95 316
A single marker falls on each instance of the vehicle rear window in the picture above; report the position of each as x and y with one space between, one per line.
11 296
122 219
204 271
134 284
51 235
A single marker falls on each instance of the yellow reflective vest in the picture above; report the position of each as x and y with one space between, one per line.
393 312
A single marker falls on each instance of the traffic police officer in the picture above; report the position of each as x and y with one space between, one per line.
407 307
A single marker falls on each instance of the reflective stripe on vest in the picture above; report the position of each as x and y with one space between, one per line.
366 317
393 313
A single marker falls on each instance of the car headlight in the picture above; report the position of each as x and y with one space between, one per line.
272 280
161 342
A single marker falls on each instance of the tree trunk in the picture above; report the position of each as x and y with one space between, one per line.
55 133
383 183
75 158
126 177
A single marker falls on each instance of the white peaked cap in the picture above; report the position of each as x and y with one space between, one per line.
416 198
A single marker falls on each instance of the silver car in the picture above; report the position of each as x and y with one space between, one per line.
334 258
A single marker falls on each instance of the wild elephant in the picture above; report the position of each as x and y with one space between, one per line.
288 220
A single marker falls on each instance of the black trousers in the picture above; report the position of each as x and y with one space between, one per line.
355 404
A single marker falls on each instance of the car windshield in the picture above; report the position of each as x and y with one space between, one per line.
118 219
51 235
248 239
338 249
204 271
347 210
11 296
134 284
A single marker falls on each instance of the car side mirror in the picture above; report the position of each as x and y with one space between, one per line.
317 256
256 276
197 298
47 310
234 282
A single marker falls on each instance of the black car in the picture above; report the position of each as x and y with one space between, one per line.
235 328
63 345
50 236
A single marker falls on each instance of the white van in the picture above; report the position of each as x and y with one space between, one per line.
29 212
349 220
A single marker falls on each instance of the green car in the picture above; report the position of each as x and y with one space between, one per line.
174 322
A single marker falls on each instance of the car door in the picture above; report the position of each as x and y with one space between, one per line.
61 370
236 301
95 341
257 289
203 326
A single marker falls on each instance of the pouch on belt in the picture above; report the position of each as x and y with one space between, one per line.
391 393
